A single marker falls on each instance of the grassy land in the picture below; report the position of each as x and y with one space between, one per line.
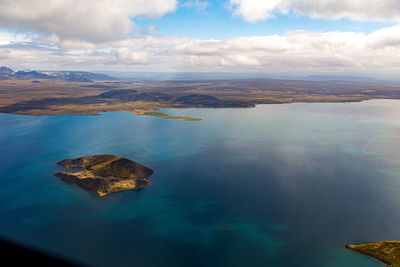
166 116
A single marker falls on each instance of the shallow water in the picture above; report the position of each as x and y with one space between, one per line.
295 182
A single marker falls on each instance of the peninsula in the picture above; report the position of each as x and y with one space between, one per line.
165 116
104 174
385 251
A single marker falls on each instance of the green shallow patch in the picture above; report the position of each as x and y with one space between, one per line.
166 116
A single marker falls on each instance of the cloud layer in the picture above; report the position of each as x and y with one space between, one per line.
90 20
298 51
254 10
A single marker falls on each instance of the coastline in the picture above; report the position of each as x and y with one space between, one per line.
156 107
73 98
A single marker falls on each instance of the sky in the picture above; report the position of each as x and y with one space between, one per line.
294 37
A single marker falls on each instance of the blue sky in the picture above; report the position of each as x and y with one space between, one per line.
300 37
218 22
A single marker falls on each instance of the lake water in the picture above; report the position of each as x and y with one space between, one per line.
295 182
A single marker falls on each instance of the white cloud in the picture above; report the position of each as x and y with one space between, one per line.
297 51
90 20
129 56
254 10
386 38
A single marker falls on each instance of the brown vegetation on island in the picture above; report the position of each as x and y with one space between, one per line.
104 174
385 251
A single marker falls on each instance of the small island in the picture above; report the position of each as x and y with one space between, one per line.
165 116
385 251
104 174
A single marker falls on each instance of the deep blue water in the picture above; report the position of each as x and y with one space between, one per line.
296 182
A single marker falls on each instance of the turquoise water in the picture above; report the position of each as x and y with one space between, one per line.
296 182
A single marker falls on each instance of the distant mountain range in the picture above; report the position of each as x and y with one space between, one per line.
81 76
70 76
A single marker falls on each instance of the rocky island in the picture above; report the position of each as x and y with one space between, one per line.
104 174
385 251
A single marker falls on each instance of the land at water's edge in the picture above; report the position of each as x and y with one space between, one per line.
104 174
385 251
48 97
